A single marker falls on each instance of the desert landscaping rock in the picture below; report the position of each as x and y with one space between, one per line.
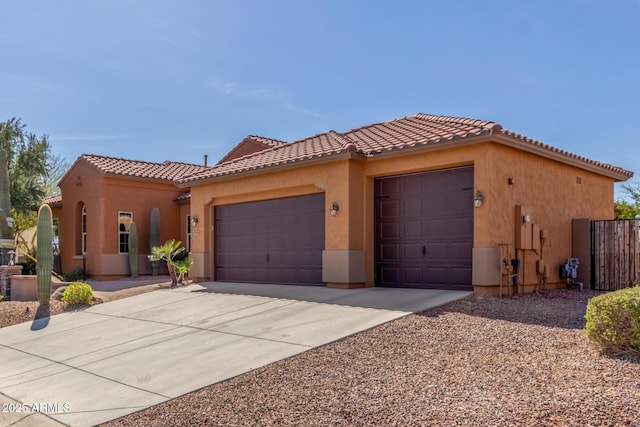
478 361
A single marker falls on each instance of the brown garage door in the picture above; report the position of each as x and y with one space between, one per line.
424 230
271 241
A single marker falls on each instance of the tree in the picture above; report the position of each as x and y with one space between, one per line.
33 170
57 166
628 209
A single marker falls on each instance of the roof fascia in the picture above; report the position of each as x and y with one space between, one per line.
510 142
276 168
559 157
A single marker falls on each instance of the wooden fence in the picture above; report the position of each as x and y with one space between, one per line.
615 254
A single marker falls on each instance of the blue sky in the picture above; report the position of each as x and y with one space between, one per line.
174 80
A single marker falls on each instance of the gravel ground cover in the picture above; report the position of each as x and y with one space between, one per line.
475 362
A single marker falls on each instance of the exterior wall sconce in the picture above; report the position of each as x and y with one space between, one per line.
477 199
334 209
526 218
194 220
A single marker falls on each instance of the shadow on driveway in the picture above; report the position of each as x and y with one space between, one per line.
406 300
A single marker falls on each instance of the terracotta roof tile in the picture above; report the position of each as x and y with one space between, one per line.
166 171
405 132
53 200
183 197
319 145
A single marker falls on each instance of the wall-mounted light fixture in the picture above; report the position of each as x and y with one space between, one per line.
194 220
526 218
334 209
477 199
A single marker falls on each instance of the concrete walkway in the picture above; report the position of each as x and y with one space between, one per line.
90 366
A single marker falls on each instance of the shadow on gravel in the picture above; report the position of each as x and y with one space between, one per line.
552 308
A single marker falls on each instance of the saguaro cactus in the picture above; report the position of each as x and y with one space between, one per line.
44 253
133 249
154 238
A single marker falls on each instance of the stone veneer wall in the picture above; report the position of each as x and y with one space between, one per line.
7 271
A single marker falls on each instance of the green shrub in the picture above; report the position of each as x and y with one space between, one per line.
613 322
78 293
75 275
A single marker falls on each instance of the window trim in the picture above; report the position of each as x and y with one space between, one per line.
122 214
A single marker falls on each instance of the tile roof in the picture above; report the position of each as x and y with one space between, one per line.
320 145
165 171
269 142
406 132
53 200
249 145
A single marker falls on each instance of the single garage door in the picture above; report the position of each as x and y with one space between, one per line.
271 241
424 230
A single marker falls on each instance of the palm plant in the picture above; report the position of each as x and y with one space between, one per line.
182 267
170 253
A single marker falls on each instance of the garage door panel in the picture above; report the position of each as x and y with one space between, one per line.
437 250
390 275
388 187
272 241
435 229
436 213
412 251
389 209
412 275
437 276
411 229
390 252
389 231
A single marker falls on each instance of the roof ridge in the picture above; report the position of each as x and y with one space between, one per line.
166 162
259 137
454 119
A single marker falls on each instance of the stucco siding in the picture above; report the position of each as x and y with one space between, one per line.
553 192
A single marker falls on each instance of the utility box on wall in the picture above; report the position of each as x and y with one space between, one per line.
523 228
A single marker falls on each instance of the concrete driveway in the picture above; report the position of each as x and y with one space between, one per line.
90 366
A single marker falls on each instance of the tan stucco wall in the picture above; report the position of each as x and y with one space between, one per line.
552 194
546 187
104 197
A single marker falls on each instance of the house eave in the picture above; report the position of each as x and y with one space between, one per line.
273 168
516 143
609 171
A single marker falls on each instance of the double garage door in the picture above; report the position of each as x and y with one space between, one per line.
271 241
424 230
423 235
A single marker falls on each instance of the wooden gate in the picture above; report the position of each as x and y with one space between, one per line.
615 254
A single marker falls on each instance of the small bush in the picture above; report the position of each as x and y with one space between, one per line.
75 275
78 293
613 322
